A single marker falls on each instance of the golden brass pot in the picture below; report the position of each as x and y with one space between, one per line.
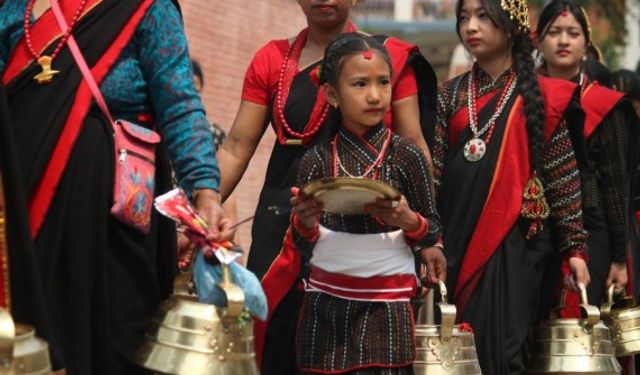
21 352
192 338
574 346
624 323
443 349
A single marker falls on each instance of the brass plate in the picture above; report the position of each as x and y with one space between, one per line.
346 195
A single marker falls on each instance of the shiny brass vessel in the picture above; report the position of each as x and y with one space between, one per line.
190 338
21 352
574 346
443 349
623 319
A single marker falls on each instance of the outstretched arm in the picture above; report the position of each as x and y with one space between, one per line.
233 157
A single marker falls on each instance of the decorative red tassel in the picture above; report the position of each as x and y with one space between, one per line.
534 205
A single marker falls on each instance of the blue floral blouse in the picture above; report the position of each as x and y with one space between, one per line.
153 75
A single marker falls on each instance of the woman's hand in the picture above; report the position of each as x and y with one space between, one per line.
207 203
306 209
396 213
436 265
579 274
618 276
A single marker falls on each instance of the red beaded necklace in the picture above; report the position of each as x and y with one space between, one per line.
45 61
288 71
473 111
337 164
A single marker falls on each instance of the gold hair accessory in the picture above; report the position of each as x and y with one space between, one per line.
518 11
354 2
589 30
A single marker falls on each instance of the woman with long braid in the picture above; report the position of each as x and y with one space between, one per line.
506 177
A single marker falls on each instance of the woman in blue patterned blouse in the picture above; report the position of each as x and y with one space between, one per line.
102 279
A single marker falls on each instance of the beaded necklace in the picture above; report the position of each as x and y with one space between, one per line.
288 71
476 147
337 163
45 61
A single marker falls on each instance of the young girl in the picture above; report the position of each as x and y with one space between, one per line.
356 316
564 36
505 173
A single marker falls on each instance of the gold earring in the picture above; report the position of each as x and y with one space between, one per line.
354 2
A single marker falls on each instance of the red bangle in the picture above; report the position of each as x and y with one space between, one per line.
638 216
308 233
577 254
417 234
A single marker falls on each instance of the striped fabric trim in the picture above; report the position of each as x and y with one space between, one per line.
378 288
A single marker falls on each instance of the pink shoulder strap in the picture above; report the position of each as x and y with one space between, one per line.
82 63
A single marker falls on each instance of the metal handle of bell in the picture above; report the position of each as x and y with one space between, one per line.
447 314
589 312
7 337
234 294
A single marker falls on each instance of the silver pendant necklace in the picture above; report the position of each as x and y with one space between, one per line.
476 147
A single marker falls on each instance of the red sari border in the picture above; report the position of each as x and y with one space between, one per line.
276 283
597 101
460 120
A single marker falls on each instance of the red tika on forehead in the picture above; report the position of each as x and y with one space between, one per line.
367 54
564 13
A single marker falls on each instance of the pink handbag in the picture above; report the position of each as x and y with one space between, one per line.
134 179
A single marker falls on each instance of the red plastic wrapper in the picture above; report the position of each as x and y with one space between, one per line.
176 206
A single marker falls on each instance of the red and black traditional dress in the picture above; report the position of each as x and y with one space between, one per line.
102 280
356 316
606 179
494 271
300 120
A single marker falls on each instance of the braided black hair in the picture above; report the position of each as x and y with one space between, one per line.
529 87
344 45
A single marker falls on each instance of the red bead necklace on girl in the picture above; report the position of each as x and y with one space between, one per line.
288 71
374 167
45 61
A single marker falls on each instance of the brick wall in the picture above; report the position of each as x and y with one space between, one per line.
223 36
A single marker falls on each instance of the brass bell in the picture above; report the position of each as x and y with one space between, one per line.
574 346
188 337
21 352
443 349
624 323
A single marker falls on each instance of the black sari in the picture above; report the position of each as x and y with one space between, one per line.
495 273
102 280
26 298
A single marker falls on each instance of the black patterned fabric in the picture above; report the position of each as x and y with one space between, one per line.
341 335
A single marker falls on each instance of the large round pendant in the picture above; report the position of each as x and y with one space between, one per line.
475 149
